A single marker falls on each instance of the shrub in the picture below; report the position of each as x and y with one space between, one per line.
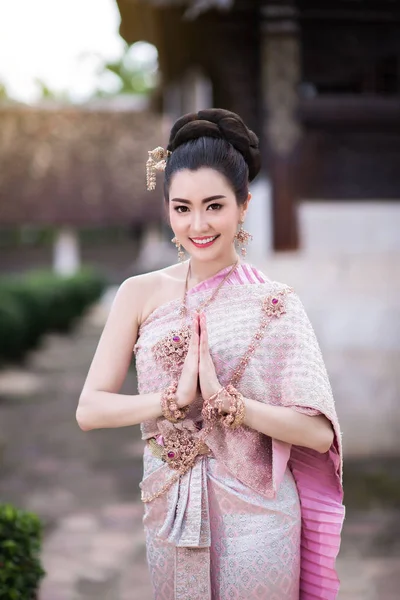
20 544
42 302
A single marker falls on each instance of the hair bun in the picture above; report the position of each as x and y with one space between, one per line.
221 124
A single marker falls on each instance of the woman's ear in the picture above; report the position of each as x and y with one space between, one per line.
245 206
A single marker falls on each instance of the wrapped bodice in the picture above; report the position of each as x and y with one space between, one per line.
232 320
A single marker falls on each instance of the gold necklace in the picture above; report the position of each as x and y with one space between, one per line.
183 309
171 350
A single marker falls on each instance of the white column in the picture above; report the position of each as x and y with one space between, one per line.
259 222
66 252
156 251
197 91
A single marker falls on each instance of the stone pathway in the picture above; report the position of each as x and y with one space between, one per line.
84 486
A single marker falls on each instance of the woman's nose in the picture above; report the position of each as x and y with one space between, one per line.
199 223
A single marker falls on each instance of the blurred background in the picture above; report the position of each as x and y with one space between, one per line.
86 89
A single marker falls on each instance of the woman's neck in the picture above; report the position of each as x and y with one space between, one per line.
200 271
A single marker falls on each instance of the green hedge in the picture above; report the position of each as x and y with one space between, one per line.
40 302
20 544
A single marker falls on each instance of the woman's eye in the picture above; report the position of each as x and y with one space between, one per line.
184 209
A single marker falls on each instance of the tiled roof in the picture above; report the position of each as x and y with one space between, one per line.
77 166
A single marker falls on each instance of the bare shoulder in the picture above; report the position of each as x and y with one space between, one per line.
148 291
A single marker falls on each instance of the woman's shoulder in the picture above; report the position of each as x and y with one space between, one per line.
152 280
150 290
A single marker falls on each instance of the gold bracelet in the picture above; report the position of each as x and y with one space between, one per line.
236 413
212 408
169 407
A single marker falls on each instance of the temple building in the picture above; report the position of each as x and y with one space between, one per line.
319 82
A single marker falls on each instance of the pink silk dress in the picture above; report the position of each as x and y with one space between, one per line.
257 518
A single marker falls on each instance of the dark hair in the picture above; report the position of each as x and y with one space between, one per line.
217 139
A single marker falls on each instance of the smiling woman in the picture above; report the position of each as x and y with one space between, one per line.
198 221
242 464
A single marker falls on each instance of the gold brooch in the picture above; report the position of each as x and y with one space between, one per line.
156 162
171 350
274 305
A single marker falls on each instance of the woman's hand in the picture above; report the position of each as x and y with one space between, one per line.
209 383
189 379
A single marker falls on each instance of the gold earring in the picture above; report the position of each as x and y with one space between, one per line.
181 254
243 237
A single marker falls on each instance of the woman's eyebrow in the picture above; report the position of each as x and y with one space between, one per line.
204 201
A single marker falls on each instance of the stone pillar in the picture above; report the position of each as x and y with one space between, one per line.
258 222
172 101
280 76
157 251
66 252
197 91
193 92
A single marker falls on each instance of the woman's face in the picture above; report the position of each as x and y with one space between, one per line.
204 214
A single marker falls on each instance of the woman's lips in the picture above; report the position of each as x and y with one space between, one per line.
205 243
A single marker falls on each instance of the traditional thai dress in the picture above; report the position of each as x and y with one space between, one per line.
254 517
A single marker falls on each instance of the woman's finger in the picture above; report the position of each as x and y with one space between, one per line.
204 333
194 340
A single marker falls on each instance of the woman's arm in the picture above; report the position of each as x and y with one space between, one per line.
104 410
288 425
100 405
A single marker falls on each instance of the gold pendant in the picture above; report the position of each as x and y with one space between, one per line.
171 350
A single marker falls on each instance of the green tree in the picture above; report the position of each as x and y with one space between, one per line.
137 72
47 93
3 92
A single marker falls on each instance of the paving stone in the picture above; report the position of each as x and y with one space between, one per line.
56 591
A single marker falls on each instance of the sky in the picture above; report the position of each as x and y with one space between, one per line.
60 42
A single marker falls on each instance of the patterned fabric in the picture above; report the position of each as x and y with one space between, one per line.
227 529
252 542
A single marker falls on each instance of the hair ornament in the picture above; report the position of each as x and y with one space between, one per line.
157 161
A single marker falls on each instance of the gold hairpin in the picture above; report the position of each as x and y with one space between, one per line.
156 162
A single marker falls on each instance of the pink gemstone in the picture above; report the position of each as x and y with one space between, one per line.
176 338
171 454
274 300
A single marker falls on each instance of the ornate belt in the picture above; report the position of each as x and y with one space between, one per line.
179 449
178 446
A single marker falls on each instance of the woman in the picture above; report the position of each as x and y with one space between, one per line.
242 465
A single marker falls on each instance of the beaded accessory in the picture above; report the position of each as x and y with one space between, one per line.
157 161
273 305
180 450
243 237
171 350
236 414
170 409
213 408
181 254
